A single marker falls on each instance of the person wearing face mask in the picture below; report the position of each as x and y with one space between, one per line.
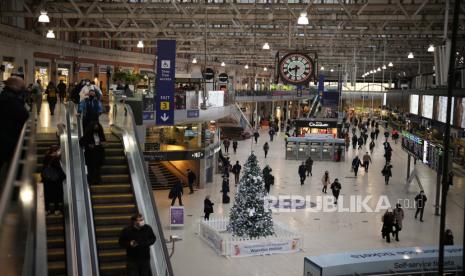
52 176
85 89
137 239
90 108
94 153
13 115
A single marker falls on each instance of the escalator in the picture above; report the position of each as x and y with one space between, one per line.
56 245
112 204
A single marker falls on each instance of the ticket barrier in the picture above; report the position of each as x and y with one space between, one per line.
315 150
292 151
303 151
327 151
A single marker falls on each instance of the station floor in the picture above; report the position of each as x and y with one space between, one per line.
322 232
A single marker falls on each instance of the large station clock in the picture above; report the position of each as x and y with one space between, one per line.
296 68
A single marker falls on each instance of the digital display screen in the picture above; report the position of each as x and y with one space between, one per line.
414 104
443 109
427 106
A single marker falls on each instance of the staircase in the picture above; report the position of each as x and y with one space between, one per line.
113 204
56 246
160 177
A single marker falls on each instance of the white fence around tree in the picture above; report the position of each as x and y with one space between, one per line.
214 233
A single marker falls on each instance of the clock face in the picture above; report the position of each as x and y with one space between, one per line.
296 68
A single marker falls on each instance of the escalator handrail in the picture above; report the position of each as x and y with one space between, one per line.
144 190
91 265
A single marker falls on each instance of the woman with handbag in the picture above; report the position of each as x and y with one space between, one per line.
388 224
52 177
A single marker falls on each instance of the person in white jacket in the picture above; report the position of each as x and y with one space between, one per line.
86 89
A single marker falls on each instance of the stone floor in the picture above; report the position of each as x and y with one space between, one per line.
322 232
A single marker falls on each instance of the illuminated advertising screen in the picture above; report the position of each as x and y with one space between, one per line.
414 104
427 107
413 144
442 111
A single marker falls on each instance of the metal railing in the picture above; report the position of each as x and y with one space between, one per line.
23 243
123 122
84 221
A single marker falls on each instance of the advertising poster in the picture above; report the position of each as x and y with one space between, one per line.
242 249
427 106
414 104
148 114
166 67
177 216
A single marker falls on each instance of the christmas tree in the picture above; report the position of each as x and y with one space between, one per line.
249 217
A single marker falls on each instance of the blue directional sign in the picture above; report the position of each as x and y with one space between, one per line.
166 69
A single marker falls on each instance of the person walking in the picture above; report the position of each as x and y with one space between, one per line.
347 142
356 164
90 108
372 146
94 152
226 144
37 91
448 237
61 91
420 201
372 135
13 115
225 190
256 135
395 135
207 207
388 223
266 170
52 176
309 165
176 192
365 137
354 141
236 170
386 135
52 96
266 148
336 188
366 161
360 141
387 172
302 173
137 239
234 145
398 218
269 180
388 156
325 180
271 132
376 132
191 177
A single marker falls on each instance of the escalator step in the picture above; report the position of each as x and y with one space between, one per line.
112 220
108 243
108 231
111 188
55 254
56 268
56 242
112 209
115 178
112 255
55 230
118 169
113 198
115 268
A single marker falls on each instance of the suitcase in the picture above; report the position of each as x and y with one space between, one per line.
226 199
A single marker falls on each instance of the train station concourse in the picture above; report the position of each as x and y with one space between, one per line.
232 137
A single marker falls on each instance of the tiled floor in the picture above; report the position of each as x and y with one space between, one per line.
322 232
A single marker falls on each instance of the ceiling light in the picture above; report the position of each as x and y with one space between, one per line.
223 64
265 69
410 55
322 68
390 64
431 48
50 34
194 60
266 46
303 19
379 69
140 44
384 67
246 66
43 18
332 70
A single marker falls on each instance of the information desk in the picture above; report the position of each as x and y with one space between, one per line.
300 148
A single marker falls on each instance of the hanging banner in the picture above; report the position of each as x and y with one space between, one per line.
251 248
166 68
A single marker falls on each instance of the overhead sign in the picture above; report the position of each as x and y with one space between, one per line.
384 261
318 124
173 155
209 74
328 123
193 113
166 68
223 77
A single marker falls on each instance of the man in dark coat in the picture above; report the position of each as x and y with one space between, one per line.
191 177
61 90
13 115
236 170
234 146
302 173
354 141
309 165
256 135
90 108
176 192
137 239
420 201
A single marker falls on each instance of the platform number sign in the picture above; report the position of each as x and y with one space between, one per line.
296 68
164 101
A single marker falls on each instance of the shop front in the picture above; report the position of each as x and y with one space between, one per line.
324 128
64 73
8 66
86 72
42 72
